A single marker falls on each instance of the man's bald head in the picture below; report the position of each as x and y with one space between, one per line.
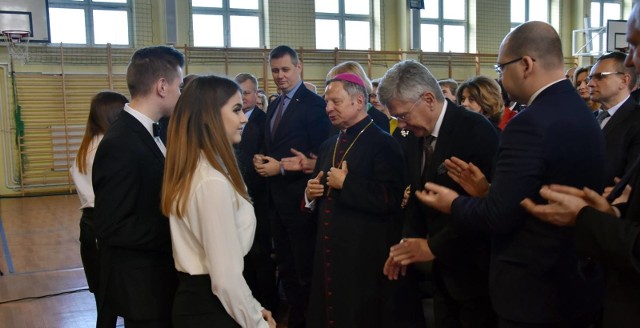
538 40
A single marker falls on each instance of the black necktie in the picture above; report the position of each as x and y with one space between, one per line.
428 151
156 129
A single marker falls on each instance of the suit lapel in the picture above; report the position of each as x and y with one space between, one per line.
141 132
442 149
619 117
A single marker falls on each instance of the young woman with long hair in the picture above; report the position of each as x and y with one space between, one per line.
104 109
211 217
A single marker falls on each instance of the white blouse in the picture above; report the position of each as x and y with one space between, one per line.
83 183
213 237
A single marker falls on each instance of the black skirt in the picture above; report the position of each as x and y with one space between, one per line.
196 306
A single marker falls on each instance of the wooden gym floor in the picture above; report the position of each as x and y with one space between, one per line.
40 256
43 285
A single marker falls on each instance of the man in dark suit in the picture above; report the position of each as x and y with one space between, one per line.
536 277
138 279
619 116
296 120
609 234
259 269
461 265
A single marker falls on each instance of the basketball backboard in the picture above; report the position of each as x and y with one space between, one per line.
27 15
617 35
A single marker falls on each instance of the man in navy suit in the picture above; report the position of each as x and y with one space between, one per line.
296 120
259 269
609 84
138 279
460 269
536 278
609 234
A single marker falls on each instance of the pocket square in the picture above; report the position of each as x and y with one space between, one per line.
442 169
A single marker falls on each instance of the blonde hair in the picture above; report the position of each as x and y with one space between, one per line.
354 68
196 127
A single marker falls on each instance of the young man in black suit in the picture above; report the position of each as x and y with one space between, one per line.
296 120
461 259
138 280
536 277
260 269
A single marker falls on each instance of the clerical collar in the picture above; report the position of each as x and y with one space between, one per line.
356 128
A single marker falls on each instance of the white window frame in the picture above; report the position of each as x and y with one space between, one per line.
526 13
226 12
342 17
441 22
89 6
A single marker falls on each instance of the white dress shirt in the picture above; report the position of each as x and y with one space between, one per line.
213 237
83 183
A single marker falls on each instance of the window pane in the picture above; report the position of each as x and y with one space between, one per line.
431 9
67 25
207 31
110 26
517 11
327 6
245 31
112 1
595 14
244 4
327 33
611 11
360 7
539 10
453 9
207 3
429 37
357 35
454 38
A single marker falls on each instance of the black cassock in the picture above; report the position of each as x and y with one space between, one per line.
356 227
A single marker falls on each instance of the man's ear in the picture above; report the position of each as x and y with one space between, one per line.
162 86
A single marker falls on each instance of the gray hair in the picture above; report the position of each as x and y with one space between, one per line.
243 77
406 81
352 89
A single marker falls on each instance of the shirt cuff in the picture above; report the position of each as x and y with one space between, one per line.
310 204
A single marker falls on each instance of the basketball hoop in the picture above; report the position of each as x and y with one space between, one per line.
17 42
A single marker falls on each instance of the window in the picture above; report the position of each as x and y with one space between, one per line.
344 24
90 22
601 12
443 26
529 10
227 23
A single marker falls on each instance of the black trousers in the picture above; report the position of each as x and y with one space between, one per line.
195 304
294 237
90 256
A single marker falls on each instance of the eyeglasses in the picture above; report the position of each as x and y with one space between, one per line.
601 75
500 67
403 117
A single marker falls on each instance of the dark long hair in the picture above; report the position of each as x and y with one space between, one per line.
104 109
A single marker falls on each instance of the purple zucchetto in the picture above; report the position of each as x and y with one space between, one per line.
349 77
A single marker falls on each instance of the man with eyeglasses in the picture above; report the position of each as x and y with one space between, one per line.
461 258
537 279
609 84
609 234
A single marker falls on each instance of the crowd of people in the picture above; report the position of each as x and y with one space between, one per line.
208 204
